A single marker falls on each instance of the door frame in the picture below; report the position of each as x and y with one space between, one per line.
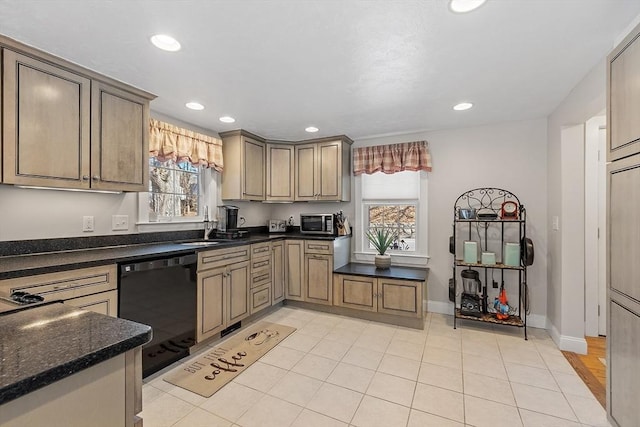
594 226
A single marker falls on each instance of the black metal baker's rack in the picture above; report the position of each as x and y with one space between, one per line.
489 200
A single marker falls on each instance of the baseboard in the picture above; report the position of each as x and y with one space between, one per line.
533 320
568 343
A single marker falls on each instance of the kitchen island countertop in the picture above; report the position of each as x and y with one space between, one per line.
45 344
49 262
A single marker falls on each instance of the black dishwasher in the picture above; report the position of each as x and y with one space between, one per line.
161 293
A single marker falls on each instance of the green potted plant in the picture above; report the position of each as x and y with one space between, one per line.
381 239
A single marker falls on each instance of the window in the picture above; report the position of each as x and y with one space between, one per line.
397 201
391 201
401 218
174 189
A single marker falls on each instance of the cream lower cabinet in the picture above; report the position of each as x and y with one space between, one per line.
294 271
277 271
103 303
223 290
261 269
93 288
379 295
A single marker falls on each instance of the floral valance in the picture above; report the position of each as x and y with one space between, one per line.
167 141
410 156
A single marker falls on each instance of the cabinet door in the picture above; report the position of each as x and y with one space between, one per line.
280 172
624 99
305 167
623 365
400 297
253 170
46 124
260 298
277 271
329 170
294 272
623 211
119 139
238 304
211 303
103 303
358 292
318 278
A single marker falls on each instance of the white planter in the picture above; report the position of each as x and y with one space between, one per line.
382 262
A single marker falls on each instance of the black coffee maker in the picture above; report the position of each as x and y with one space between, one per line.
470 299
228 223
227 218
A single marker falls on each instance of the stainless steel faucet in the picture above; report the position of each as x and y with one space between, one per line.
208 225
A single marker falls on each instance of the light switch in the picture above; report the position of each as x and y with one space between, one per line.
119 222
555 223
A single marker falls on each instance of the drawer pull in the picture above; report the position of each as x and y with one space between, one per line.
260 264
59 287
259 278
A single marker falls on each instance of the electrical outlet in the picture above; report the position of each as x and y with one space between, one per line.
495 285
119 222
87 223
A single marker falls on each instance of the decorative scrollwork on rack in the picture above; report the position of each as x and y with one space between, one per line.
485 200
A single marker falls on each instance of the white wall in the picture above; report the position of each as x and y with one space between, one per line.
565 310
41 214
510 156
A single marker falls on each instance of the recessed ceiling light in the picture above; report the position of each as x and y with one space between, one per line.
227 119
165 42
462 106
194 106
311 129
463 6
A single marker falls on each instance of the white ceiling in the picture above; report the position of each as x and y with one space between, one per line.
359 68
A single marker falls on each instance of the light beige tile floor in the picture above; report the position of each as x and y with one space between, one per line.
340 371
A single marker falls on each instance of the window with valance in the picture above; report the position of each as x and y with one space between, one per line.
177 157
391 184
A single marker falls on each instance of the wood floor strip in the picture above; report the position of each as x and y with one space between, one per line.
590 369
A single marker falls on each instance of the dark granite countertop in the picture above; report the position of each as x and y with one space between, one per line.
38 263
395 272
41 345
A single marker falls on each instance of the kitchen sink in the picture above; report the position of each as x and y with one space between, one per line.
200 243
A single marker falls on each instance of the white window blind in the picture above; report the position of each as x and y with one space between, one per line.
382 186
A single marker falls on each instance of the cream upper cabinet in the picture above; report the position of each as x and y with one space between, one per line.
244 166
47 122
322 170
280 172
624 98
119 139
68 127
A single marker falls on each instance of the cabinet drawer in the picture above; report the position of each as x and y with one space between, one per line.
103 303
262 263
65 284
318 247
259 278
260 249
220 257
260 298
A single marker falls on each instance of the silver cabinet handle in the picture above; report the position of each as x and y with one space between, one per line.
96 177
85 177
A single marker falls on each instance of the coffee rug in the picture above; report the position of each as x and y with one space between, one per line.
215 368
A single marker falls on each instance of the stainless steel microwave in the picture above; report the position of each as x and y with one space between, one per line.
317 224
